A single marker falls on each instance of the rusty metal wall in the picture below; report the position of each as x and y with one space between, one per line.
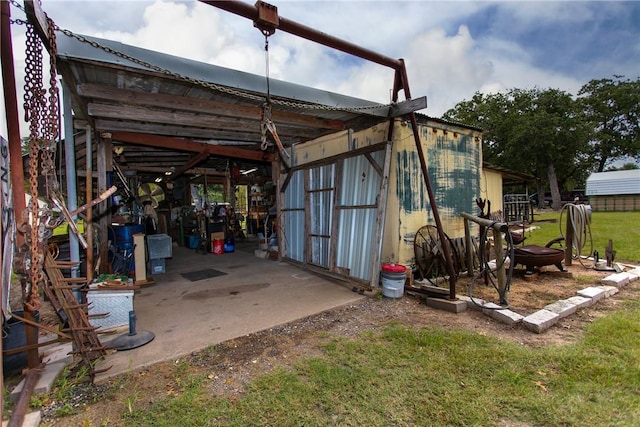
454 162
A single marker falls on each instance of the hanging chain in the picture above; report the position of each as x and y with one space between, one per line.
41 112
33 107
265 118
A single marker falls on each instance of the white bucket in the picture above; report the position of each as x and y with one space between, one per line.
393 284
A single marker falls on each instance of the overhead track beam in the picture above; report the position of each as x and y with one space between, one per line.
254 13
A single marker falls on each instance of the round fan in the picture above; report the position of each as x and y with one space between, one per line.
151 191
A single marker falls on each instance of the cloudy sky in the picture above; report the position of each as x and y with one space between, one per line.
452 48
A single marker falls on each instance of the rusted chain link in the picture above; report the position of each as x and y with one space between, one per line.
33 107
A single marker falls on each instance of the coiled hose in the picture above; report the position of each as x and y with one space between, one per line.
580 217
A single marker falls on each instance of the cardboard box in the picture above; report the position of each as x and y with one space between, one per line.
218 235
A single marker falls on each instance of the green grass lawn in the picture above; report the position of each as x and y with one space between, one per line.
434 377
431 376
623 228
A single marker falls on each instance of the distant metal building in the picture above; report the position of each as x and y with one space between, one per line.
614 191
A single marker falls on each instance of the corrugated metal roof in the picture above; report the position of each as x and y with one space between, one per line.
149 100
614 182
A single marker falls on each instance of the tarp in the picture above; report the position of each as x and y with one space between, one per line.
8 225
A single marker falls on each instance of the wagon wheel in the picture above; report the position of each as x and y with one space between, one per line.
429 254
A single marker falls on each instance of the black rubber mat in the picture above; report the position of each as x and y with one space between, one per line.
208 273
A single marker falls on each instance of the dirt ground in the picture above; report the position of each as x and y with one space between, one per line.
230 366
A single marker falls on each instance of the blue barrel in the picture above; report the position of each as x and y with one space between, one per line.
14 336
122 235
229 245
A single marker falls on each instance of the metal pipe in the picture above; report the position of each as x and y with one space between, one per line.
15 153
402 81
13 122
21 406
251 12
70 171
498 226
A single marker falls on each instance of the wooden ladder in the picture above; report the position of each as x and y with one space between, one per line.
72 314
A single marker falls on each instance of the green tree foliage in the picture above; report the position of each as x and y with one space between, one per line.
612 108
539 132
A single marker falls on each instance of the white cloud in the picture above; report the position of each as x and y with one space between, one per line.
452 49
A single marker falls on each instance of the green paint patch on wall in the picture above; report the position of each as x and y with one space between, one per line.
411 191
454 169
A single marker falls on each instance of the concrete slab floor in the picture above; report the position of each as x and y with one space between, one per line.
254 294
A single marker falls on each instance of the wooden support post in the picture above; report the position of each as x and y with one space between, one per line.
380 215
500 273
88 226
104 159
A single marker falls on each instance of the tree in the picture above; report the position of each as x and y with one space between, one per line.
612 108
535 131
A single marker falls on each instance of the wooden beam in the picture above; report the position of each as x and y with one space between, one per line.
176 131
39 20
165 117
193 146
194 161
408 106
203 106
156 121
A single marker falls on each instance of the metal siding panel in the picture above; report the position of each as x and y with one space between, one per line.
294 230
360 185
294 235
320 215
357 244
360 181
321 177
294 194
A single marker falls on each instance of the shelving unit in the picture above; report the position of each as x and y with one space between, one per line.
258 211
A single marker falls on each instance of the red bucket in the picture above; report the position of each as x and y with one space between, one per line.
218 247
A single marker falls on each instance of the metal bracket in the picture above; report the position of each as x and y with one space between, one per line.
267 20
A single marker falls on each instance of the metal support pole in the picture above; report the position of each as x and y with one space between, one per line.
70 171
498 228
13 122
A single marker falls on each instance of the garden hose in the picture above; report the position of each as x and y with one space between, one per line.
579 216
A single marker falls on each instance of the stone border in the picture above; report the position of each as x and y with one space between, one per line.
548 316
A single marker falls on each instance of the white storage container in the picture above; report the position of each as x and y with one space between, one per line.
112 306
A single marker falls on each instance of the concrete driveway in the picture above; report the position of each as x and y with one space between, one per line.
250 295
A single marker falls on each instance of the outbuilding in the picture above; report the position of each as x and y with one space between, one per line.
614 190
